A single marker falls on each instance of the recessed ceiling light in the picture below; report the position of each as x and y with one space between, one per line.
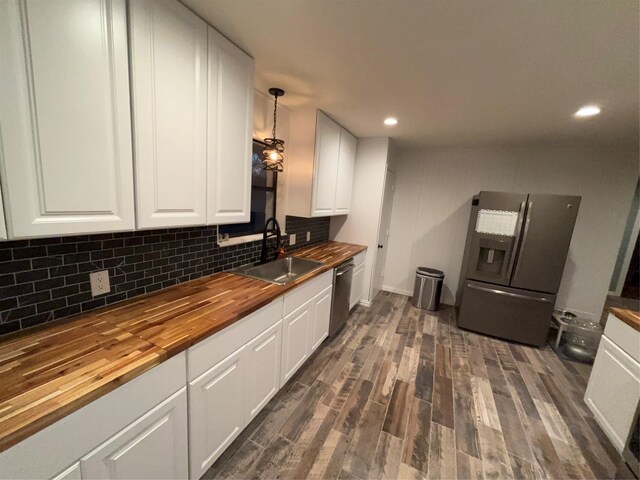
587 111
390 121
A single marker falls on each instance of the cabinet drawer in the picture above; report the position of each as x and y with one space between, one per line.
305 292
207 353
73 436
624 336
360 258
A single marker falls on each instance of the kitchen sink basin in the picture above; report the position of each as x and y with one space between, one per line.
281 271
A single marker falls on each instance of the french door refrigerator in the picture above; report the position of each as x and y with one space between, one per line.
515 255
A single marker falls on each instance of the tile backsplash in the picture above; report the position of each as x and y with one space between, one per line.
47 279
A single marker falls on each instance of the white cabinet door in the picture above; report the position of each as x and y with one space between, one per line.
216 411
230 112
169 90
295 340
155 446
613 371
346 165
357 283
263 369
71 473
321 316
65 115
325 167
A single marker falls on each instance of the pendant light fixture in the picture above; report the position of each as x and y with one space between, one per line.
272 157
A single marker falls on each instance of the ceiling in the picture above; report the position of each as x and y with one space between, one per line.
454 72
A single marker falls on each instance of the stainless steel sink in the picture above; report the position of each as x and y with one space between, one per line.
280 271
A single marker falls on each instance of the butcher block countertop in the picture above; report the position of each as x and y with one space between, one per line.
49 373
629 316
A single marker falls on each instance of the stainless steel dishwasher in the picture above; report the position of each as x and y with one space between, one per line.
341 291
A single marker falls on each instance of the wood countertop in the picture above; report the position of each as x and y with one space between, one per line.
628 316
49 373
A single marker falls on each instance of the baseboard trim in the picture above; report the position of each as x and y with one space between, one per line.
365 303
400 291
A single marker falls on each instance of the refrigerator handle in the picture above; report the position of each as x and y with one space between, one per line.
509 294
512 261
524 236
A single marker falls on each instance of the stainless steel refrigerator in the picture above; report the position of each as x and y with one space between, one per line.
515 255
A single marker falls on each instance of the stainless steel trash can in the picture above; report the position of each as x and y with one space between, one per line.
427 288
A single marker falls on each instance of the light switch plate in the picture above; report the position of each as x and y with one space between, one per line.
99 283
292 239
308 236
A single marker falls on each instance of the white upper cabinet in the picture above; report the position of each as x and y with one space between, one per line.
230 112
321 162
169 90
346 164
325 167
65 116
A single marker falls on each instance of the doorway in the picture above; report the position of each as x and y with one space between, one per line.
383 234
631 285
624 281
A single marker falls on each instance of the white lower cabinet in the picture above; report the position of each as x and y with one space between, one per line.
263 365
216 412
155 446
307 324
321 317
357 284
138 430
613 390
295 336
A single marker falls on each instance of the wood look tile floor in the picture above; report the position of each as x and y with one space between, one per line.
403 394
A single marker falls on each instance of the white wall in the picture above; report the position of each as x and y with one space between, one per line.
432 205
361 225
262 126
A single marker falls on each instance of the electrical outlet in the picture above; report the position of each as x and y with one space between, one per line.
308 236
292 239
99 283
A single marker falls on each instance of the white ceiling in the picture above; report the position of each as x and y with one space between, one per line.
454 72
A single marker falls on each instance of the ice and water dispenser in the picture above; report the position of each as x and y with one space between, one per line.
493 245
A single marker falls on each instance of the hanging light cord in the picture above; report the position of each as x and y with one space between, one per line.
275 110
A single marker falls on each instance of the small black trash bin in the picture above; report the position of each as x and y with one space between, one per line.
427 288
